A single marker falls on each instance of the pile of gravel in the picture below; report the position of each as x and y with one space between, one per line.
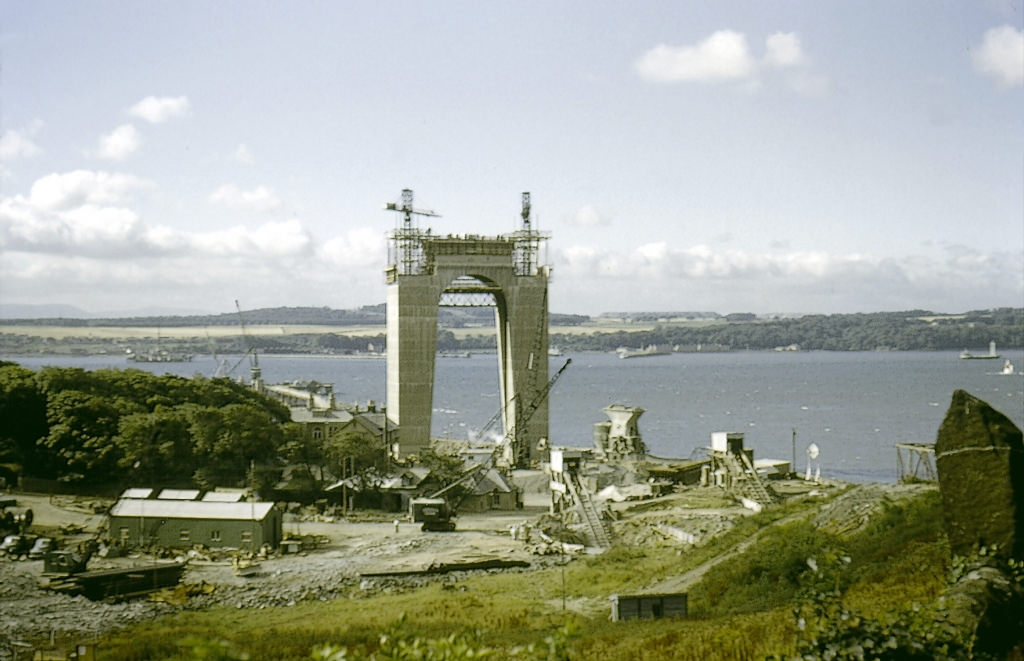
28 612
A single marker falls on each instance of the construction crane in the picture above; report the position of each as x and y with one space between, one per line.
407 238
222 363
436 513
255 374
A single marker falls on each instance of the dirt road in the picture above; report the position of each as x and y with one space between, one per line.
332 571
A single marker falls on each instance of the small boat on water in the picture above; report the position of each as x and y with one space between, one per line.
159 356
649 350
1008 368
991 355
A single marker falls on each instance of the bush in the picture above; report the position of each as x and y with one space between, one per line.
763 577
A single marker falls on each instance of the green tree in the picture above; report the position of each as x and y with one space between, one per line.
301 449
157 446
23 411
82 428
230 439
356 452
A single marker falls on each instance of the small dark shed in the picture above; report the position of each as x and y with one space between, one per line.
647 606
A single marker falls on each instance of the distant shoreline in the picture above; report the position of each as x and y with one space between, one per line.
900 331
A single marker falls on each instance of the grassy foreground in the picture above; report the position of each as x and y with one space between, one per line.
744 609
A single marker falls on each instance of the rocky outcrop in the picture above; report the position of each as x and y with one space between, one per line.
980 457
987 605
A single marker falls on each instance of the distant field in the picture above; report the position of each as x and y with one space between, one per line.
183 332
187 332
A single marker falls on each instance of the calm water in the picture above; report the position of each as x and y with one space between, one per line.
854 406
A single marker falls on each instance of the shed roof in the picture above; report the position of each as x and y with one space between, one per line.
490 482
191 509
223 496
178 494
305 414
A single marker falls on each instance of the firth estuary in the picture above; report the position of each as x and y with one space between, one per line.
854 406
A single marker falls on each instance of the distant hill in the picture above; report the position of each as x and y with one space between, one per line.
63 311
368 315
320 316
29 311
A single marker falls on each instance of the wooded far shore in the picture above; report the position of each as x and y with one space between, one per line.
327 331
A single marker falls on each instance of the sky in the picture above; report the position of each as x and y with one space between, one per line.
787 157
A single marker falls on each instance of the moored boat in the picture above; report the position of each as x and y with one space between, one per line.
991 355
649 350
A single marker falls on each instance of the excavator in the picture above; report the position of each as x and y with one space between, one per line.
437 512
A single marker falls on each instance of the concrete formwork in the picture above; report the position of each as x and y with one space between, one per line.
467 265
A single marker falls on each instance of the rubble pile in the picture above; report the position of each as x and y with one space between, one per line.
28 612
851 511
673 528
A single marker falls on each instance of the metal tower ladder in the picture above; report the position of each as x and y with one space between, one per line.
594 526
746 480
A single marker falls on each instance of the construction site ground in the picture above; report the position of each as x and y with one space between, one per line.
350 550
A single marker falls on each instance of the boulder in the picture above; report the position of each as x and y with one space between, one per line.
987 606
979 453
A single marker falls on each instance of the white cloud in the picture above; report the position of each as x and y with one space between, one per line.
244 155
79 234
89 229
277 239
782 50
119 144
89 215
258 199
19 143
62 191
723 56
361 247
657 276
1001 55
157 110
589 216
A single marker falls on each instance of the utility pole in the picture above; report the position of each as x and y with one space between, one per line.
792 466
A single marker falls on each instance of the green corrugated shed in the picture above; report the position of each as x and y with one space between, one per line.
184 524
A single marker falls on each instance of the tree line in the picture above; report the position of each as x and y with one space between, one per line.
114 427
118 426
915 330
912 330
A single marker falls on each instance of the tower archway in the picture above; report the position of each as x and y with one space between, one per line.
426 271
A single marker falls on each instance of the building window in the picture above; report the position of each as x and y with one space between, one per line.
318 433
125 534
214 535
246 537
184 535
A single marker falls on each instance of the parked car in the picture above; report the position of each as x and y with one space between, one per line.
41 547
15 545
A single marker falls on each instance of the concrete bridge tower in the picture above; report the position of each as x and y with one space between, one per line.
426 272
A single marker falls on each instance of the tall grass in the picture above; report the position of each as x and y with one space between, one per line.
741 610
